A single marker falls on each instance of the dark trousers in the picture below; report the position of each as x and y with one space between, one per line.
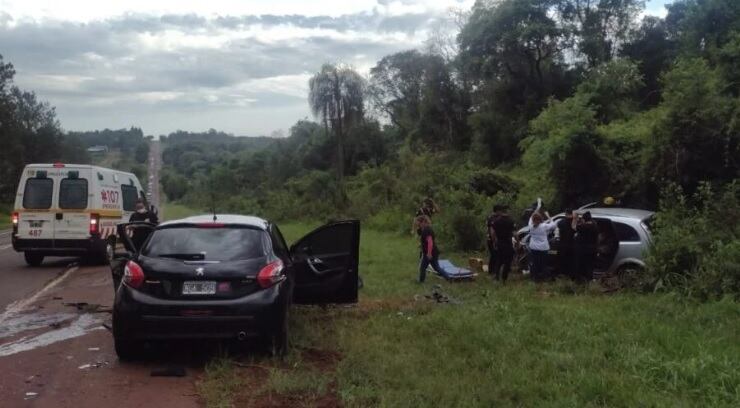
585 263
502 263
538 261
491 257
424 263
567 261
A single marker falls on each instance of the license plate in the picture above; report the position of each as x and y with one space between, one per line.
199 287
36 224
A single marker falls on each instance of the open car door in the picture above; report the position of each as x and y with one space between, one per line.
132 235
325 264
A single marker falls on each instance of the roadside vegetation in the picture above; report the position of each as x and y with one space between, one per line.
492 345
564 100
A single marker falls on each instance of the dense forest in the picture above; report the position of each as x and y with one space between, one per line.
570 100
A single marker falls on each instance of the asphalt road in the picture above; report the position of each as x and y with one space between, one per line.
55 350
19 281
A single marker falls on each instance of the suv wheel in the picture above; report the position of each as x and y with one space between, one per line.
33 259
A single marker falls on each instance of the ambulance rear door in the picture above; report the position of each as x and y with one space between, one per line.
72 219
34 205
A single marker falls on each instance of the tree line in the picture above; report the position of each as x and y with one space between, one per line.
30 133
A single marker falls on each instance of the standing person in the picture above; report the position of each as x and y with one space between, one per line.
502 229
566 249
539 245
587 236
429 250
142 215
491 241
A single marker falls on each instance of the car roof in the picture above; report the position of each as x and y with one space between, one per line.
231 219
618 212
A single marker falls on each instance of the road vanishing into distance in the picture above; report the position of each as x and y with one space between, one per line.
56 348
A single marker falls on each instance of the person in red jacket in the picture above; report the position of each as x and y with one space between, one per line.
429 250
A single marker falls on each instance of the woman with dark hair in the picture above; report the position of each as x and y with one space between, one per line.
539 245
429 250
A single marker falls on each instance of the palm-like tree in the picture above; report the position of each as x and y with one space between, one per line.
336 96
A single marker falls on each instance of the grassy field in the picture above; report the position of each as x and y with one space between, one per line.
173 211
518 345
5 211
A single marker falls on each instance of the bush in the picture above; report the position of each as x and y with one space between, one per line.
695 250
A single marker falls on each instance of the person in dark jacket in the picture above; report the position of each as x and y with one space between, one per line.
501 232
586 239
566 247
142 214
429 250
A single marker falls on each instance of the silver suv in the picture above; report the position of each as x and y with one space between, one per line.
624 237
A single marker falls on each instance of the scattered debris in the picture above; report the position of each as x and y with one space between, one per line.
108 326
31 395
93 349
57 298
96 364
29 379
440 297
89 307
172 371
55 325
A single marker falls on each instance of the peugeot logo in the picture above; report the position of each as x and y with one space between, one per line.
199 272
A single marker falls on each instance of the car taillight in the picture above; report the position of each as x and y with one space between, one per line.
15 218
271 274
94 223
133 275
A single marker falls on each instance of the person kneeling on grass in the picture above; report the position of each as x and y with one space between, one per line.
429 250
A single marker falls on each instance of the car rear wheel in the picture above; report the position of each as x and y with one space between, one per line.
127 349
33 259
279 339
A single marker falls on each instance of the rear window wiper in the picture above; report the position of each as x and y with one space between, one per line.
189 257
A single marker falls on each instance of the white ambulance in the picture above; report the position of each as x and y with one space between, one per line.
71 210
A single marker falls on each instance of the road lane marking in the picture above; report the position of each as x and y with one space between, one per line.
19 305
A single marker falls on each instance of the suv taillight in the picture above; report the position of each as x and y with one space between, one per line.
271 274
133 275
94 224
15 219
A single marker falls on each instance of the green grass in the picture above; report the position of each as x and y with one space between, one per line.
173 211
519 345
5 211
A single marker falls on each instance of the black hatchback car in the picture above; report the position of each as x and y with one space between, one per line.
229 278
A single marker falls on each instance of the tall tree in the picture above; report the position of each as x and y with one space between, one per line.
336 96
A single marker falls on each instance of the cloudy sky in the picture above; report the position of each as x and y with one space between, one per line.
241 66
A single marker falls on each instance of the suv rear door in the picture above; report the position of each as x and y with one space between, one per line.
325 264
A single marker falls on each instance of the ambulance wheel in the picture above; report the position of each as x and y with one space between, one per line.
33 259
106 254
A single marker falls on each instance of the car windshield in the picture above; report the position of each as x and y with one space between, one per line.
210 244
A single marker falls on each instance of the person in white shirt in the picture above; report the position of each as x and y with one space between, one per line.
539 245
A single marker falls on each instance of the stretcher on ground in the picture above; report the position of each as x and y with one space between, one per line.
451 272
